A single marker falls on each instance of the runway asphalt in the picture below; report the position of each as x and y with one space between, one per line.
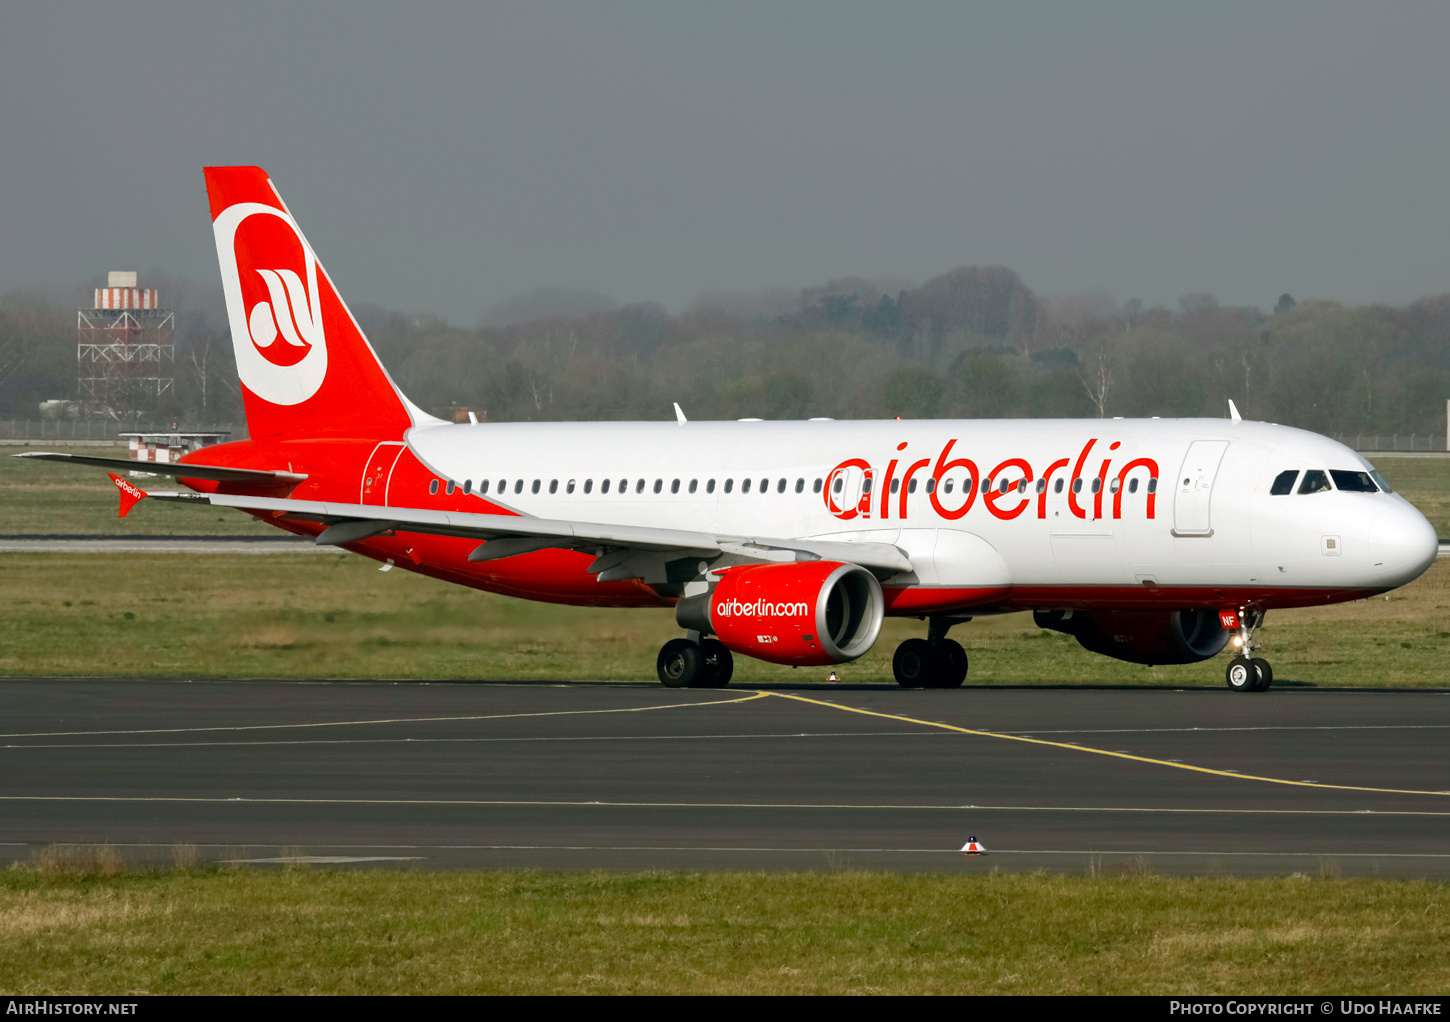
574 776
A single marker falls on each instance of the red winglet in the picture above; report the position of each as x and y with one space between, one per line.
130 494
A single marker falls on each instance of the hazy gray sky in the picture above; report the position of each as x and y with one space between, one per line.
441 157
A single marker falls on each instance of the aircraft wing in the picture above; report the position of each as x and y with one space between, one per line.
622 551
216 473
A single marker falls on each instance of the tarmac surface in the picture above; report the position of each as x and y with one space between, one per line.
624 776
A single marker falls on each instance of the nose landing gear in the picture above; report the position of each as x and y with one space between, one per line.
933 662
1246 672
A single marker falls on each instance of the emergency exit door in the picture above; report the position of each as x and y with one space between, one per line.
1194 490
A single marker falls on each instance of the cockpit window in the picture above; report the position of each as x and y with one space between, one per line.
1315 481
1284 483
1381 480
1354 482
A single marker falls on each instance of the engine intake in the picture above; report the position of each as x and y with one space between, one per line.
807 613
1141 636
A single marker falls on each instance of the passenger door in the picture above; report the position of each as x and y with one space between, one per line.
1194 488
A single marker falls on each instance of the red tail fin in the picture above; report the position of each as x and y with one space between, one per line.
305 366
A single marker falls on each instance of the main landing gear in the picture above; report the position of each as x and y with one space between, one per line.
933 662
694 662
1246 672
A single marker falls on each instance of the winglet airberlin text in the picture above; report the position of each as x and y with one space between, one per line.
130 494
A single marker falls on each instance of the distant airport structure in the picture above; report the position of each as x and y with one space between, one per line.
125 352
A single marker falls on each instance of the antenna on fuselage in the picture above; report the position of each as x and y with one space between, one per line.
680 414
1233 412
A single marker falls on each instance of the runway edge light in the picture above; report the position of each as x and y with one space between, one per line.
973 847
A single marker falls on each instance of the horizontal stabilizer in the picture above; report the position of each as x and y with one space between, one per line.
131 494
215 473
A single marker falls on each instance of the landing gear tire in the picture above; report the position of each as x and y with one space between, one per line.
680 664
1246 672
952 661
916 664
719 664
1243 675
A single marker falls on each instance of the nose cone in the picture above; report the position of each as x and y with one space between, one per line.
1402 544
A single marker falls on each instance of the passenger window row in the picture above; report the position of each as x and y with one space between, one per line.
1003 485
781 485
1317 481
605 485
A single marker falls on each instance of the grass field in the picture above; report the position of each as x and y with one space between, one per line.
337 616
381 932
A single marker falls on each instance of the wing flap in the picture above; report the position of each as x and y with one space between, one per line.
517 535
465 525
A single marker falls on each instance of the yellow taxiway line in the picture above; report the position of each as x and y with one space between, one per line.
385 720
1103 752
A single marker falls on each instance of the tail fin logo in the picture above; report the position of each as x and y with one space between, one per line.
288 313
270 276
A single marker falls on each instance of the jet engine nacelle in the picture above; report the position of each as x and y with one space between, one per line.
806 613
1141 636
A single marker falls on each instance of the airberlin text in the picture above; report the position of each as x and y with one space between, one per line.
953 484
760 608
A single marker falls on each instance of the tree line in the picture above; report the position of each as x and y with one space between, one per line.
976 342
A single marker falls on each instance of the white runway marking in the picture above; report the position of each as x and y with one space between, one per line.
1028 732
1090 852
713 806
447 741
232 847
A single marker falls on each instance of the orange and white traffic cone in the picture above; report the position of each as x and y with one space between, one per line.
973 847
833 679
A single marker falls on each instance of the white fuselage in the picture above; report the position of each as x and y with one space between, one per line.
1212 522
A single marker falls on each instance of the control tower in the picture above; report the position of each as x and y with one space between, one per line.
125 355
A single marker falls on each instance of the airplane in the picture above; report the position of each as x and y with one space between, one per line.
1153 541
